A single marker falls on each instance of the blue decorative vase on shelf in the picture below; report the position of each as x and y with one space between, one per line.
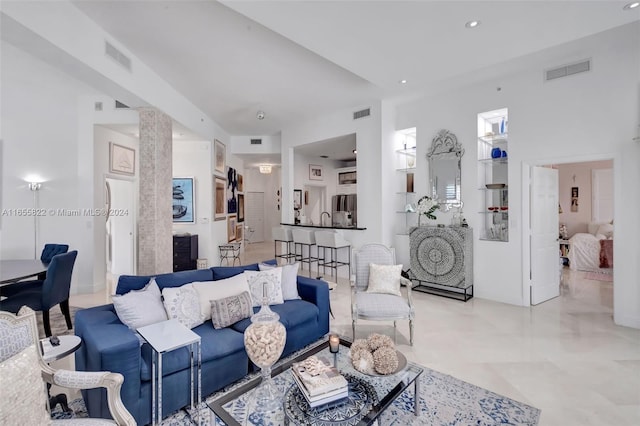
504 154
496 153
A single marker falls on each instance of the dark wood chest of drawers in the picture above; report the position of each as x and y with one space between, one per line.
185 252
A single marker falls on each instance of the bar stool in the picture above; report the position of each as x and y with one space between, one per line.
230 252
280 234
302 238
332 241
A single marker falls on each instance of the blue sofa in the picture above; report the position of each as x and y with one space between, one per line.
109 345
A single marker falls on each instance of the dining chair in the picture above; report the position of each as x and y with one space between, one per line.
378 306
43 295
51 250
24 373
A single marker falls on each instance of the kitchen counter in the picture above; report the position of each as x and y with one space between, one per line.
349 228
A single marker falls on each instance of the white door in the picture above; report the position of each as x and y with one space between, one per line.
602 195
120 227
254 215
545 280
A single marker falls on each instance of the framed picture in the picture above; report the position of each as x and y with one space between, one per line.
122 160
297 199
574 198
238 232
219 199
231 227
315 172
220 152
183 201
232 188
240 208
240 183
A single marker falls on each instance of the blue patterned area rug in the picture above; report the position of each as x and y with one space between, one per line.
444 401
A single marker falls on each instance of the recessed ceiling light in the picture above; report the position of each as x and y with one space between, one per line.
630 6
403 81
472 24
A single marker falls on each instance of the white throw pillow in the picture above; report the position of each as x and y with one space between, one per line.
140 307
265 281
22 396
289 279
384 279
183 303
215 290
605 229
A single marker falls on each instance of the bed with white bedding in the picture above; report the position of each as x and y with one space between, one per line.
593 251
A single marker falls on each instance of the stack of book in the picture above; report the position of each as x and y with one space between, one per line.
320 382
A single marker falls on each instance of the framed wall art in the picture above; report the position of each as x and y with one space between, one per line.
219 199
240 183
232 188
220 153
297 199
239 233
122 160
231 227
183 200
240 207
315 172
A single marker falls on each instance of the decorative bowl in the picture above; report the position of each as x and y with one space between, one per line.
495 185
504 208
493 208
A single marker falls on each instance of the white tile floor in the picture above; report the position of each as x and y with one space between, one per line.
565 356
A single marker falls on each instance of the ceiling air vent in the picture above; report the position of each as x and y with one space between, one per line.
567 70
256 141
111 51
120 105
362 113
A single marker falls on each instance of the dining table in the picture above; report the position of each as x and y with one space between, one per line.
13 270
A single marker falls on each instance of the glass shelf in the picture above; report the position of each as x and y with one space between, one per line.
495 212
501 160
493 189
407 151
402 211
405 193
493 239
406 170
495 139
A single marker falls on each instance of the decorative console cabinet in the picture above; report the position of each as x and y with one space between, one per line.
185 252
442 261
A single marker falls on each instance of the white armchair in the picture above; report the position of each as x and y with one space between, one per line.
23 397
377 306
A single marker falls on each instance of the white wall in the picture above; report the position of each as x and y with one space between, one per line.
584 117
102 137
40 130
577 221
242 144
269 184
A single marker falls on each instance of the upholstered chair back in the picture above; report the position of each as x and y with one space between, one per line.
17 332
51 250
55 288
366 255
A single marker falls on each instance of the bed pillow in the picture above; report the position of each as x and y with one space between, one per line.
384 279
605 229
219 289
269 281
230 310
138 308
289 279
183 303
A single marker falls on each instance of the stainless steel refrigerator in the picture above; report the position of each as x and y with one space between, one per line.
344 210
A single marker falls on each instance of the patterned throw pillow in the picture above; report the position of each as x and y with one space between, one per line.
265 283
289 279
230 310
138 308
22 395
384 279
218 289
183 303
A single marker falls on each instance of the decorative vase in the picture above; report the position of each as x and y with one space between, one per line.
496 153
264 342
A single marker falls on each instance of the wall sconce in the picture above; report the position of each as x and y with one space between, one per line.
559 208
265 168
34 186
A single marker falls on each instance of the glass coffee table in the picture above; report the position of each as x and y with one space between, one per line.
369 395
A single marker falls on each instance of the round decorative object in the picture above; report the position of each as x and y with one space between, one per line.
376 341
402 364
385 360
347 412
496 153
362 360
264 342
434 252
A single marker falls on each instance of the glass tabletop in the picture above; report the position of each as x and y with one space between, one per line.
237 407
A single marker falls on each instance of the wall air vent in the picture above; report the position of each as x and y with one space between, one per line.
256 141
362 113
111 51
567 70
120 105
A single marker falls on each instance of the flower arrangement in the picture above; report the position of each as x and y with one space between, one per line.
427 206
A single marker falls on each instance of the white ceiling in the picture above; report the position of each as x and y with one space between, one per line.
296 60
